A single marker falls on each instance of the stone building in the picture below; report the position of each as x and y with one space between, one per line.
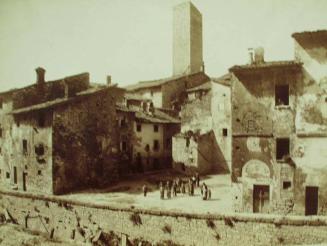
279 130
204 143
58 136
145 135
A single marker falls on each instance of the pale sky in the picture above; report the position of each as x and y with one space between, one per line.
131 40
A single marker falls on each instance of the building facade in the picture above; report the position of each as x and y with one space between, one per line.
145 136
204 143
279 131
58 136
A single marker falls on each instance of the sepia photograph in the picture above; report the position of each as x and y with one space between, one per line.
163 122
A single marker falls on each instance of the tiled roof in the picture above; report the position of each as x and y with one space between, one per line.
204 87
310 33
156 117
59 101
160 82
224 80
265 65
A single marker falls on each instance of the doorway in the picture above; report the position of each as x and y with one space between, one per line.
260 198
311 200
15 175
24 180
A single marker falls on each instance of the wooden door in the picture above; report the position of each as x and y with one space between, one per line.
260 198
311 200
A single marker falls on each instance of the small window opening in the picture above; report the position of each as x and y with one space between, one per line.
138 127
282 148
7 175
225 132
123 146
39 172
287 185
39 149
24 146
155 145
281 95
147 148
155 128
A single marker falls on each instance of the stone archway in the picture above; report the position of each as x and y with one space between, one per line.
256 169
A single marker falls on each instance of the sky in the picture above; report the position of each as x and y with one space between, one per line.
131 40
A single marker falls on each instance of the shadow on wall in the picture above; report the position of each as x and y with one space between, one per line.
211 159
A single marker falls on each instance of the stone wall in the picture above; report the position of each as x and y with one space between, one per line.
83 222
85 142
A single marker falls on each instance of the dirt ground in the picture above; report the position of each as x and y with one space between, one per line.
129 193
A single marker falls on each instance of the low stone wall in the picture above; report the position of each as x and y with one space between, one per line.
83 222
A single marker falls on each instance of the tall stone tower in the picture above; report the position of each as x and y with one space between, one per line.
187 39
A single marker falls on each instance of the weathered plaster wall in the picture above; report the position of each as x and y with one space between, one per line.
154 94
83 222
85 142
256 123
146 137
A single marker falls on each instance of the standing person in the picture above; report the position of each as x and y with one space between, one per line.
209 194
197 177
145 190
162 191
183 187
174 189
205 193
168 190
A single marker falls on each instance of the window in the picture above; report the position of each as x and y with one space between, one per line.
138 127
39 172
41 120
7 175
282 148
287 185
151 93
39 149
155 128
123 145
225 132
156 145
147 148
123 122
24 146
281 95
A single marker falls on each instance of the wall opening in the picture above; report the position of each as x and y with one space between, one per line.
311 200
24 146
138 127
155 145
281 95
282 148
225 132
260 198
287 185
155 128
15 175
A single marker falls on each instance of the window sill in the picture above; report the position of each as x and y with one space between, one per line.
283 107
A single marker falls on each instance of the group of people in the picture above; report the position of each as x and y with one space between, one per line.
172 188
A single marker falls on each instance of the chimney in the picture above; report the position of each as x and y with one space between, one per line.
259 55
251 61
108 80
40 72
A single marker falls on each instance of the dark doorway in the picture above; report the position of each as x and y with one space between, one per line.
311 200
260 198
282 148
24 181
15 175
